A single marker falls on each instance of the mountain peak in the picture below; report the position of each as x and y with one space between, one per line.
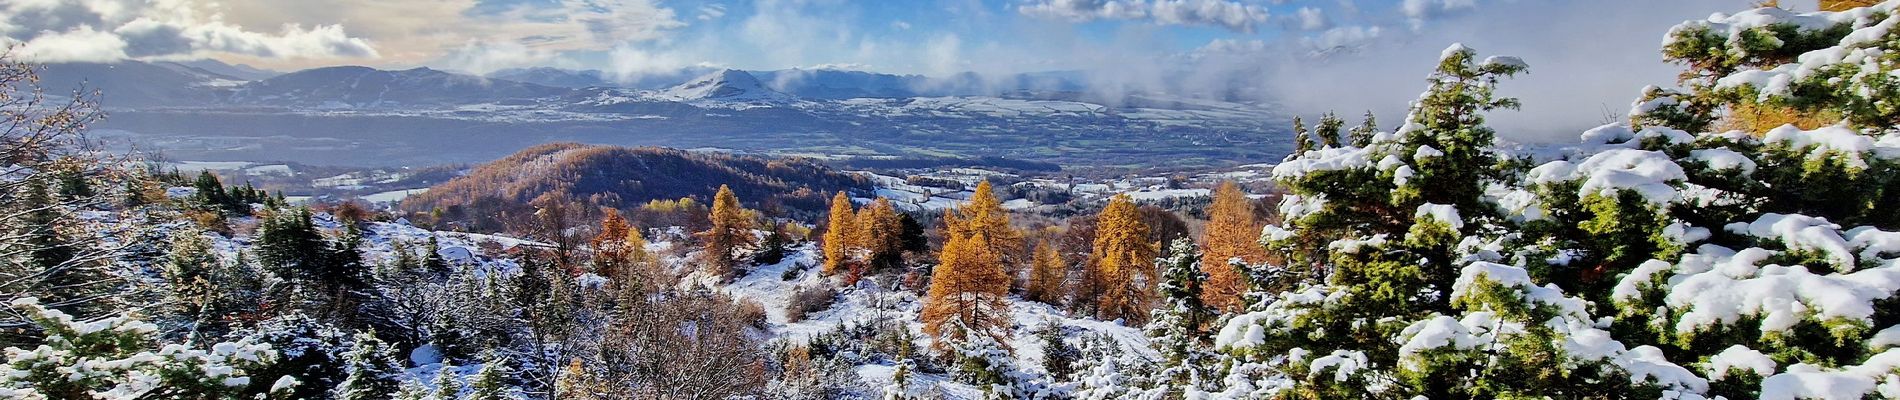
725 85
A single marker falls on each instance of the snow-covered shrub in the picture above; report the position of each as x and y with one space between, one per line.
120 358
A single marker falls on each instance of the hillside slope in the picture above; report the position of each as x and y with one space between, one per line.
624 177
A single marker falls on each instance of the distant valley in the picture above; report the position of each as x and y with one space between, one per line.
364 117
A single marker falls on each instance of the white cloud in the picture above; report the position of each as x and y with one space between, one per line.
1312 19
439 32
1342 37
1232 15
79 44
113 30
1421 10
711 12
900 25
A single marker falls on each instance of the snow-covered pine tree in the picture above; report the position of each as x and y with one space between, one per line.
1648 261
1178 326
1362 134
373 370
1330 130
120 357
1302 141
491 382
447 384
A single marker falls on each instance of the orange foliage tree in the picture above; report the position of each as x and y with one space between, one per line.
1123 262
731 233
1232 232
837 233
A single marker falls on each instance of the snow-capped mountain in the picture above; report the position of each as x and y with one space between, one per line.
729 85
556 77
360 87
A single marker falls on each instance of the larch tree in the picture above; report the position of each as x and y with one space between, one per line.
1047 275
1122 259
879 235
838 228
984 218
969 293
1232 233
730 234
610 248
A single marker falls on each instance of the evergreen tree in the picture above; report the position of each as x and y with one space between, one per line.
730 234
1329 130
448 385
46 249
772 249
491 382
1177 329
289 245
1047 280
1302 143
837 234
913 236
373 370
1362 134
432 260
1232 233
1122 261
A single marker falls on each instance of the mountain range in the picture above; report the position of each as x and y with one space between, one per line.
352 115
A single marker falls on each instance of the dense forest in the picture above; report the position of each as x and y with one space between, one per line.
1726 241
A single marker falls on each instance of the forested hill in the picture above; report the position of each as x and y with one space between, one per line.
624 177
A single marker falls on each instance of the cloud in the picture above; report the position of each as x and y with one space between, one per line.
444 32
711 12
1232 15
1312 19
114 30
1420 10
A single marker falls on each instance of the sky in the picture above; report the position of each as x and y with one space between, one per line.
1588 58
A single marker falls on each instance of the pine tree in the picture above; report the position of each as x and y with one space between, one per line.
1362 134
289 245
491 382
772 249
1232 233
432 260
1047 275
1122 261
373 371
837 234
1177 329
1329 130
913 236
731 233
448 386
1302 143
